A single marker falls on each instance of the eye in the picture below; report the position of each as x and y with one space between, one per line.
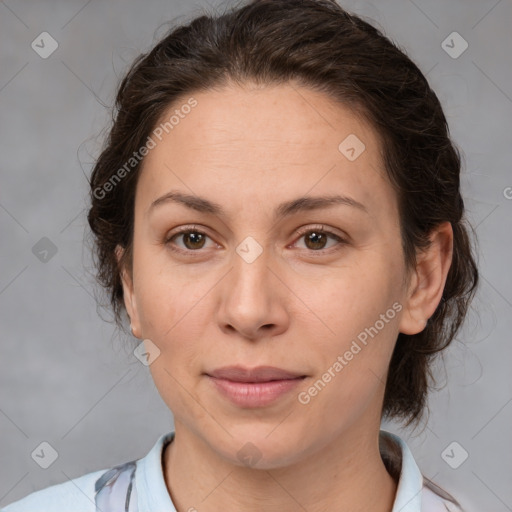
317 239
191 238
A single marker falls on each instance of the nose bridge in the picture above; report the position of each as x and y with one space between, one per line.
249 300
249 279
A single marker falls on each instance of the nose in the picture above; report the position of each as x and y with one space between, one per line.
253 299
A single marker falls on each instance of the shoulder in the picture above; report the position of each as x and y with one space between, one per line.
113 488
76 494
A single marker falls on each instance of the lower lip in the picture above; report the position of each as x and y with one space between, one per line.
255 394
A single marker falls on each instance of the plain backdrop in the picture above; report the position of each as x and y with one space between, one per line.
69 380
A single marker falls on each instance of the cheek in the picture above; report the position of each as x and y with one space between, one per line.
352 298
351 370
168 293
356 326
172 316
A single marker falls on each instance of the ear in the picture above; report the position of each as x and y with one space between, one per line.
428 279
128 294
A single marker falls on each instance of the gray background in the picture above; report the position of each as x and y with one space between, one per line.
69 379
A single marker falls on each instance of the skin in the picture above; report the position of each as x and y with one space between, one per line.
297 306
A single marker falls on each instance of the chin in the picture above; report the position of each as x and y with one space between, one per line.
259 446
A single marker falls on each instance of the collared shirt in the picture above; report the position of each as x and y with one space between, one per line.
139 486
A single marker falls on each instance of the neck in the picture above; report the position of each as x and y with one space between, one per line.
348 474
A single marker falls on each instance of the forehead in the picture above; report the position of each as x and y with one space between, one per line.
260 142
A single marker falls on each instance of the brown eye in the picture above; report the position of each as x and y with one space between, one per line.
187 240
193 240
317 239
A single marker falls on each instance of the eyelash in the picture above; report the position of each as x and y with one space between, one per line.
300 233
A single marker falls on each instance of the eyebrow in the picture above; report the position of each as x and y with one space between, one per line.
283 210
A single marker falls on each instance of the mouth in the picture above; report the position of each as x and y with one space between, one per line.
257 387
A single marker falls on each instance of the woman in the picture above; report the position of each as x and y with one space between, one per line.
277 211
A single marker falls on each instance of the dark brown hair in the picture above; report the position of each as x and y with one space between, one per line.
321 46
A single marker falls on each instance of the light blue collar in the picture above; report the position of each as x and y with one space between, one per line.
154 496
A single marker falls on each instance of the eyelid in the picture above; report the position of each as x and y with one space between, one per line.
323 229
192 228
185 229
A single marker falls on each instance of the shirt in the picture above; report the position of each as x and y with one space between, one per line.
139 486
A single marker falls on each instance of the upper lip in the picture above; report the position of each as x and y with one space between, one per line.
258 374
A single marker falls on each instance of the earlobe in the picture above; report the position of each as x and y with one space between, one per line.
428 280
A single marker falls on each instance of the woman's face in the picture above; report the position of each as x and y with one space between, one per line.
255 283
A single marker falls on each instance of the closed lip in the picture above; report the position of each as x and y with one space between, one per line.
258 374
